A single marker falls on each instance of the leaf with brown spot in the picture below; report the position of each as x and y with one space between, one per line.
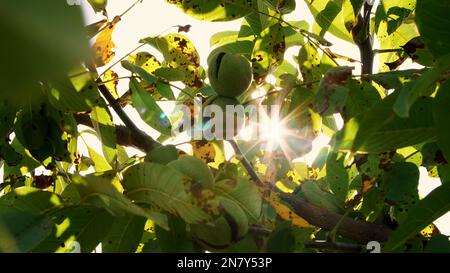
168 189
203 150
149 63
179 52
283 211
268 52
104 45
111 81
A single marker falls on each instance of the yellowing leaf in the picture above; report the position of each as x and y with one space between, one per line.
111 81
179 52
104 44
149 63
283 211
268 52
430 231
145 60
204 150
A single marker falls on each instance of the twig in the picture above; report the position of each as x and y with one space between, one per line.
247 165
130 8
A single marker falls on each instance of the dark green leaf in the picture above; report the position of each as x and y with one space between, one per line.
125 234
434 205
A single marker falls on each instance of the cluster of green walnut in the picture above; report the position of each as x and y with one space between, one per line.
230 76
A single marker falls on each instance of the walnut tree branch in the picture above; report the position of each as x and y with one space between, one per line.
125 137
359 231
138 137
363 39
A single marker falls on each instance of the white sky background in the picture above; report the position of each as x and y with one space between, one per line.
152 17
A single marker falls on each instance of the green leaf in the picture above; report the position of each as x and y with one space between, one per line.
332 94
438 244
391 14
50 43
98 161
309 61
169 190
337 176
329 16
163 155
394 27
433 21
315 195
24 222
269 50
26 164
176 239
125 234
75 93
215 10
148 109
86 225
421 87
244 194
106 131
399 186
379 129
223 37
195 169
100 191
433 206
170 74
396 79
441 112
39 129
398 38
361 96
146 76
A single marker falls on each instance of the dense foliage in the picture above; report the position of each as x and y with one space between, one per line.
362 187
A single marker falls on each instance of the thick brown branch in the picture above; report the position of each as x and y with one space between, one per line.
125 137
359 231
137 137
362 38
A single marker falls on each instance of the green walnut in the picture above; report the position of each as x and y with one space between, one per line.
230 74
227 229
